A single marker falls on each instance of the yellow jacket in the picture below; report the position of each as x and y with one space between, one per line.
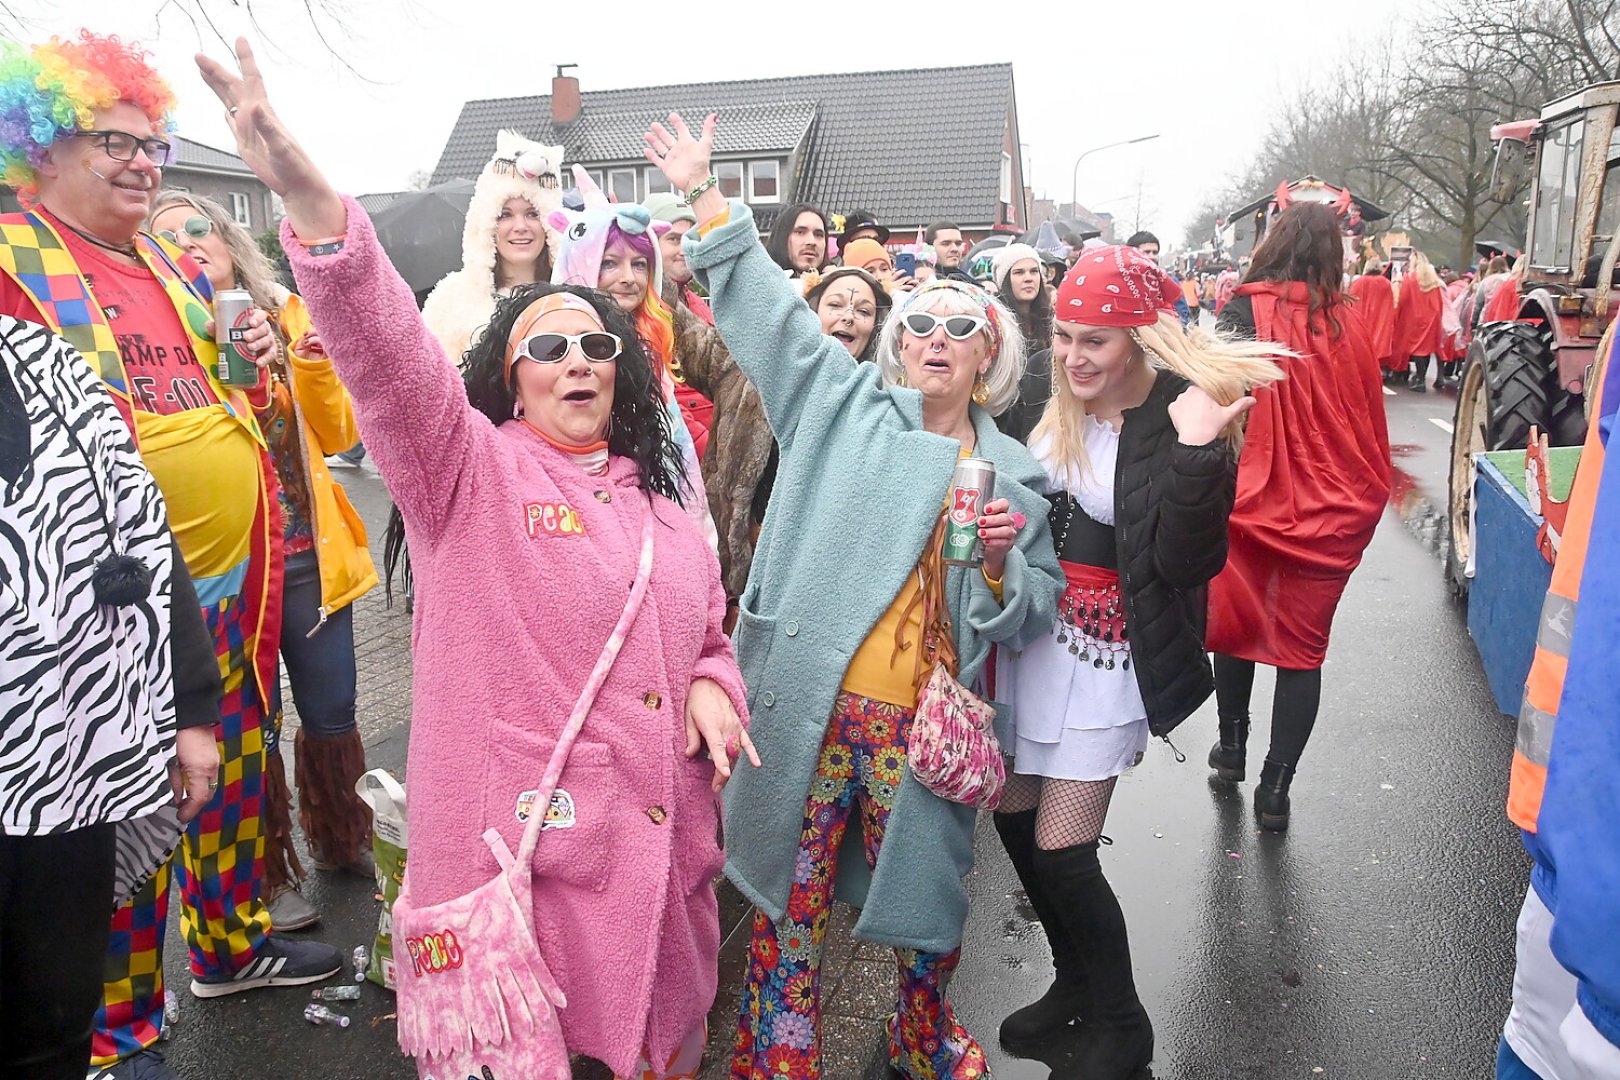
325 416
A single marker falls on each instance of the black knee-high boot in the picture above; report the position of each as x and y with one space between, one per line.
1066 1000
1118 1040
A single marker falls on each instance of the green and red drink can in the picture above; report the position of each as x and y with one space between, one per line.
234 367
972 486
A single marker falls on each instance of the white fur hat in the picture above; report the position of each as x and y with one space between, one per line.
522 169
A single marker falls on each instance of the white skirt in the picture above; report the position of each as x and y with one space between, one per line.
1071 720
1083 753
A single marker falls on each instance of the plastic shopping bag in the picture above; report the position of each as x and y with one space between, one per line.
386 797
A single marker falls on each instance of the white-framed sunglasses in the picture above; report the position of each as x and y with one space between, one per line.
597 346
957 327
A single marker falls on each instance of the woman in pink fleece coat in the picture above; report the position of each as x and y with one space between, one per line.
523 494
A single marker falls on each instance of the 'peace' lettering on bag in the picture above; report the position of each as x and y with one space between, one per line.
433 953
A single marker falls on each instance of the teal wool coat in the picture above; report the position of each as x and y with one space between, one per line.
858 491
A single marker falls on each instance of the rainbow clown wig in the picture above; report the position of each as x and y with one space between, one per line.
50 91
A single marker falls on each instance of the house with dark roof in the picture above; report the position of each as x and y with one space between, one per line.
222 176
912 147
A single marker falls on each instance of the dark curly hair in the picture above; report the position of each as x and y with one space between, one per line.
639 427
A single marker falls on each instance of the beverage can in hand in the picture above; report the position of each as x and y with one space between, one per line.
972 486
235 367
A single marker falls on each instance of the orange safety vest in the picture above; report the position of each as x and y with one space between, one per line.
1544 687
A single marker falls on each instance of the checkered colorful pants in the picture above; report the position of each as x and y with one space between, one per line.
219 866
863 758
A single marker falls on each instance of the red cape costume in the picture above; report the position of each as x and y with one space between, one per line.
1417 324
1312 483
1504 302
1375 299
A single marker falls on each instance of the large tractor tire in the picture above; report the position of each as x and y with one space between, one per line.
1503 394
1566 416
1519 376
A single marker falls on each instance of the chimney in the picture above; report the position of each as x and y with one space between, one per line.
564 96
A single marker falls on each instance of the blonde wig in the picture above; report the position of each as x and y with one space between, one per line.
949 297
1224 368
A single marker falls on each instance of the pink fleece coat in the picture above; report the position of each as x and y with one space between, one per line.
522 565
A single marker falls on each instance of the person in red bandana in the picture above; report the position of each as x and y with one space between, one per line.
1139 445
1312 484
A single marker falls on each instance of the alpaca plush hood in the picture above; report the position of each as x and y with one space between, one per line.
461 304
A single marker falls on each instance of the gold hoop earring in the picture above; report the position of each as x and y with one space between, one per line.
981 392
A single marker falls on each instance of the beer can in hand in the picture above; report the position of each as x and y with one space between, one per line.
972 486
235 367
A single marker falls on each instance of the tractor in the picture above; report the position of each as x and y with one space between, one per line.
1532 371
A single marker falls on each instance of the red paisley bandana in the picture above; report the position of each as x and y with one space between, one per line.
1115 286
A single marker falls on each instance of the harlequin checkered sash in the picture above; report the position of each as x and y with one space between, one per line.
33 254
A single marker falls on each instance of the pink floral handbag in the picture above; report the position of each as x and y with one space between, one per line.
476 998
952 748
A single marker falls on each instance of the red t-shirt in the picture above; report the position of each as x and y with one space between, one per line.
163 372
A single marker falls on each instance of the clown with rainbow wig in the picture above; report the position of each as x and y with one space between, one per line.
85 131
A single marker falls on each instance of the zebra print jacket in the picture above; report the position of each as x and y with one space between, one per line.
87 691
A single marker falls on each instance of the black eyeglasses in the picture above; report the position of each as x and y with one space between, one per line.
957 327
196 227
597 346
121 146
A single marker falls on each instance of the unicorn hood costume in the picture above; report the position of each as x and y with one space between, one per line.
583 239
462 304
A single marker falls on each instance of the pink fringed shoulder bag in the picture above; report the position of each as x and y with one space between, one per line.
475 995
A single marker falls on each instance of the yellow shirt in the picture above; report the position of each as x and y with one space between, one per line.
876 671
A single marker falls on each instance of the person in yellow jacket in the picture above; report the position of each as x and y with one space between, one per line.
328 565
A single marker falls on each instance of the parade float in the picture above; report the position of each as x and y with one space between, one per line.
1523 406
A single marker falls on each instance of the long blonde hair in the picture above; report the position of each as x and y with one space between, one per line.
1224 368
1423 272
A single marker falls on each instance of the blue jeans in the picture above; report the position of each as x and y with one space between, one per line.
320 668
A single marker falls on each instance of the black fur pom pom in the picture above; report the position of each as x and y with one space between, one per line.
121 580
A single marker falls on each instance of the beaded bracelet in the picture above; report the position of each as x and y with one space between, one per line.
701 188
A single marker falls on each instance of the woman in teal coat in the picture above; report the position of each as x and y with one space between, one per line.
834 629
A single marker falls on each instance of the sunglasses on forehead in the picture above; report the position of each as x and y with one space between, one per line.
597 346
957 327
195 227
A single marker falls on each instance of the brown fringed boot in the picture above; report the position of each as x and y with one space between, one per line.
337 825
283 873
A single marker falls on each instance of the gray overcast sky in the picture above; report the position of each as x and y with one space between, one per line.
1202 76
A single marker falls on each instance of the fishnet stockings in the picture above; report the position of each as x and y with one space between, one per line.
1071 812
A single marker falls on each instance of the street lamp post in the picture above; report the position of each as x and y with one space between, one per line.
1074 175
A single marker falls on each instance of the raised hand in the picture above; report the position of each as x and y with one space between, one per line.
269 149
1200 419
679 155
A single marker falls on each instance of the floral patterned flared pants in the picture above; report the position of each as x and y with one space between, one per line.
779 1027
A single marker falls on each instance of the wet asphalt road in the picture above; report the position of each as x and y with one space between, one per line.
1373 941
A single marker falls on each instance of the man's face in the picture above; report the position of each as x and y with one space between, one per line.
84 185
807 243
949 247
675 267
1150 249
